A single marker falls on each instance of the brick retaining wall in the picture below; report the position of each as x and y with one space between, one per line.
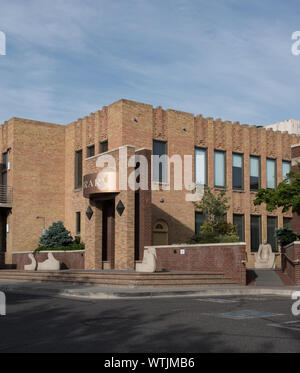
290 266
68 259
226 258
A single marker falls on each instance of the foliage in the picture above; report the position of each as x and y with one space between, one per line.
213 206
56 236
286 236
74 246
286 195
215 228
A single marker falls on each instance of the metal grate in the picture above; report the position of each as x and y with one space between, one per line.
6 194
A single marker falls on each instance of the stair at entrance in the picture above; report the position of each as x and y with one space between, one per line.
267 277
121 278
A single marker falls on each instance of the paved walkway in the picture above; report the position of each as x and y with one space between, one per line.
267 277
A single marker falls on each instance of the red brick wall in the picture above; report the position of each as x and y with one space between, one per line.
225 258
68 259
291 253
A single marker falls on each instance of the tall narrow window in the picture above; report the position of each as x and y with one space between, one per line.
78 223
287 222
237 171
200 166
286 168
90 151
271 227
160 166
271 173
78 169
220 173
103 146
199 221
255 232
238 221
254 173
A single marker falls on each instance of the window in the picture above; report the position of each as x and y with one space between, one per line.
254 173
255 232
237 171
199 221
287 222
90 151
200 166
271 173
78 169
238 220
286 168
78 223
160 166
103 146
220 178
271 226
5 159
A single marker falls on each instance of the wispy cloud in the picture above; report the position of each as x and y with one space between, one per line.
228 59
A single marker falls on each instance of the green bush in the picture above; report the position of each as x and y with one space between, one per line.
73 247
212 237
285 236
56 236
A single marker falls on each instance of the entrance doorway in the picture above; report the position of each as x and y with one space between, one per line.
108 232
3 223
160 234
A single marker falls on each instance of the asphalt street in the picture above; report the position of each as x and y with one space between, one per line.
222 324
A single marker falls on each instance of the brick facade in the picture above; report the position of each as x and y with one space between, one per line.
42 172
295 161
291 262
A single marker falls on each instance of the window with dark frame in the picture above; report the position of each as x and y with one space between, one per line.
103 146
271 173
254 173
255 227
220 168
237 171
239 222
271 228
287 222
90 151
201 166
78 223
160 167
286 168
199 221
78 169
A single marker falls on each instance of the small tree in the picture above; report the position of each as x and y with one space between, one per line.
286 236
215 228
56 236
286 195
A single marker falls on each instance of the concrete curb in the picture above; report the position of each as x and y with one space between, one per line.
173 294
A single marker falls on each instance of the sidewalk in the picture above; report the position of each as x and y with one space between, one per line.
107 292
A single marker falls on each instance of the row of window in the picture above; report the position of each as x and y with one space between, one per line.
160 173
255 228
237 170
90 152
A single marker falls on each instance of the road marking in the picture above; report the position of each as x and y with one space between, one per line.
218 300
247 314
286 325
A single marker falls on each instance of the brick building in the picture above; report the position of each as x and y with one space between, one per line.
48 172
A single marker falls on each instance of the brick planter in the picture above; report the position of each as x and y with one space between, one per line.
227 258
68 259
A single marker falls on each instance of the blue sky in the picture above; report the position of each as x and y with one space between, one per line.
228 59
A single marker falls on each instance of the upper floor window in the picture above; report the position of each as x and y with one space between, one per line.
254 173
160 164
220 168
201 166
90 151
237 171
103 146
286 168
78 169
271 173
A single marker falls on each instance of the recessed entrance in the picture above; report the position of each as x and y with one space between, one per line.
108 232
160 233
